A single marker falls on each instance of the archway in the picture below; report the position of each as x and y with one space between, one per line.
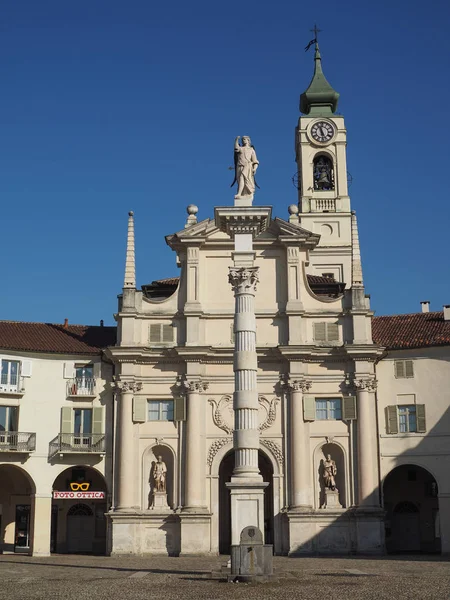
78 512
412 510
16 490
225 472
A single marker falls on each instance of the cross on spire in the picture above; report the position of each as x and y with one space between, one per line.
316 30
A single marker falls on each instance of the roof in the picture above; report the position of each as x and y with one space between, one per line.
320 98
416 330
55 338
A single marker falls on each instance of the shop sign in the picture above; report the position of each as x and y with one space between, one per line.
78 495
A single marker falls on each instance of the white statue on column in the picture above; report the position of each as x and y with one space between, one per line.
245 164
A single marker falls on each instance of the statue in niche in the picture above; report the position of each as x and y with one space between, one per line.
159 475
245 165
329 473
323 174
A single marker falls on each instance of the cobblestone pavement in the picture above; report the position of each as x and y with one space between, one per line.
135 578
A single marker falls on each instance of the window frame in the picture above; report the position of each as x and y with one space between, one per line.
404 362
7 381
10 418
410 409
328 409
170 412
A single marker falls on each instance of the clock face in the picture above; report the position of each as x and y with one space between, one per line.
322 131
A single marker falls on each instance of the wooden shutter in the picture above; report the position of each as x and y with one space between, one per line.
332 332
320 332
155 333
167 333
309 408
179 409
26 368
399 366
69 370
139 409
66 419
409 368
420 417
97 419
349 408
97 370
391 419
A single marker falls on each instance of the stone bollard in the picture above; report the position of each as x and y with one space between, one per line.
251 560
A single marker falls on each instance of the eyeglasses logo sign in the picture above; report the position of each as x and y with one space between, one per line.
75 487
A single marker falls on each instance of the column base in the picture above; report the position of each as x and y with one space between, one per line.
144 532
195 531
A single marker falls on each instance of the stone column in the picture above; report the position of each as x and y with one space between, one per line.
125 456
41 524
245 401
300 471
367 451
195 452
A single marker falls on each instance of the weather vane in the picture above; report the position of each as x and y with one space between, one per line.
315 31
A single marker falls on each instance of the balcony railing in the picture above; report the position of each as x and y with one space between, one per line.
323 205
81 386
17 441
75 443
12 384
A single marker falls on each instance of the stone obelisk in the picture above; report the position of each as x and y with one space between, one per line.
243 223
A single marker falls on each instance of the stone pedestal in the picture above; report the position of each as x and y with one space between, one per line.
332 499
247 506
159 502
251 559
195 532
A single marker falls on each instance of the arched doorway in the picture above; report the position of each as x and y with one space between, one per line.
78 512
16 490
412 510
225 472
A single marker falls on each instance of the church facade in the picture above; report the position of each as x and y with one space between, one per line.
353 411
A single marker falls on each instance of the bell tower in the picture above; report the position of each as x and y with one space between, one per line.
320 150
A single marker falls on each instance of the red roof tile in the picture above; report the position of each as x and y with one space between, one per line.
417 330
54 338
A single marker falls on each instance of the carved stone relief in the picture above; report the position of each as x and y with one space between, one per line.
223 414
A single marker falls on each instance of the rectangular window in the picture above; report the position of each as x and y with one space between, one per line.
328 409
161 333
403 369
10 373
82 422
407 422
84 372
160 410
326 332
8 418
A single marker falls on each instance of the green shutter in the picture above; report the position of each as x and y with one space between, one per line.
97 419
320 332
409 368
309 408
348 408
399 366
179 412
66 419
139 409
420 415
391 419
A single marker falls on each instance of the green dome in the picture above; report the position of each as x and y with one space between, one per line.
320 98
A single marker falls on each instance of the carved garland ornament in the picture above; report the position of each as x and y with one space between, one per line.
215 447
275 449
223 414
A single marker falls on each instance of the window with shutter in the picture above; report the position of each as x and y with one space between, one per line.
160 410
420 416
391 419
97 419
139 409
161 333
180 408
349 408
66 419
167 333
155 333
403 368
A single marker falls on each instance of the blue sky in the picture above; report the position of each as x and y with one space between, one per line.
108 106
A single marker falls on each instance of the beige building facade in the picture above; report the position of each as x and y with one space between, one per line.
121 441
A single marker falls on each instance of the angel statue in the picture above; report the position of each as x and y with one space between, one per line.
245 165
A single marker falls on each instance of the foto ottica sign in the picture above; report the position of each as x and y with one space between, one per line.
78 495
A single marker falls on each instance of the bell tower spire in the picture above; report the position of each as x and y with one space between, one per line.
130 267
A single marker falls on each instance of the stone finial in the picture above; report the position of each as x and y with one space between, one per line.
130 266
293 214
192 211
357 276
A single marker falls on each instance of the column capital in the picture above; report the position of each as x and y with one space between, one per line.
243 279
193 386
125 387
297 385
368 384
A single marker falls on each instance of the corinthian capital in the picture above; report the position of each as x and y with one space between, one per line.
366 383
298 385
191 386
128 386
243 279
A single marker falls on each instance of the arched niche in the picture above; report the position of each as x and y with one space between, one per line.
149 459
323 173
337 453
